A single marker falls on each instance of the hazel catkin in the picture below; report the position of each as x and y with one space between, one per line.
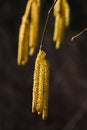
36 80
67 13
34 26
45 90
23 47
23 43
28 32
41 85
62 20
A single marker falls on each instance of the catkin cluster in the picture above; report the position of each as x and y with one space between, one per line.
28 33
62 20
28 38
41 85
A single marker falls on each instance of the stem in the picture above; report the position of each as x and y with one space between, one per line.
79 34
45 26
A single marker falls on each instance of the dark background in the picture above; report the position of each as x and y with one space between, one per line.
68 72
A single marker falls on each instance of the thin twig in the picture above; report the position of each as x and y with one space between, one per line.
76 36
74 120
45 26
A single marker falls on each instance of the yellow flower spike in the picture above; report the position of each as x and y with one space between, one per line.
59 27
61 31
34 26
62 20
40 89
55 29
23 48
36 80
56 26
45 90
67 13
23 43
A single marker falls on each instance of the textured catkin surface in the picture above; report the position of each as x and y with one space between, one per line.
68 73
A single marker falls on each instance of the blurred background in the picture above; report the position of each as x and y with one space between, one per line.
68 72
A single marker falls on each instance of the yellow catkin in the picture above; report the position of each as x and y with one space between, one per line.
59 23
41 85
23 43
61 31
34 26
62 20
40 88
23 48
56 29
67 13
45 90
36 80
56 11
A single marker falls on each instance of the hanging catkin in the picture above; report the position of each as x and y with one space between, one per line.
67 13
62 20
45 90
28 32
59 23
40 85
23 43
61 31
36 80
23 48
34 26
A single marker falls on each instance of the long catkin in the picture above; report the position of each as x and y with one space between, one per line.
59 22
23 47
67 13
36 80
34 26
45 90
61 31
40 87
23 43
62 20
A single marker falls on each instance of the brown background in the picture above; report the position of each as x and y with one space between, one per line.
68 72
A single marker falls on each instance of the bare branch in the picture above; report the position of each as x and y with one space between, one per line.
78 35
45 27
